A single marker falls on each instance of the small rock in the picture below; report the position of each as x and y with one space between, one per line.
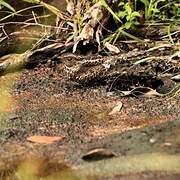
113 49
152 140
108 94
176 78
167 144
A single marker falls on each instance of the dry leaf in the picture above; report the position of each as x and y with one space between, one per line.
176 78
98 154
175 56
70 7
87 33
45 139
116 108
113 49
141 91
94 12
92 19
85 36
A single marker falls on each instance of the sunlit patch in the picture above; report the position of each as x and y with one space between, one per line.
106 131
41 167
122 165
7 102
124 124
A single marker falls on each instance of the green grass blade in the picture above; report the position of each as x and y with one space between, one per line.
17 12
3 3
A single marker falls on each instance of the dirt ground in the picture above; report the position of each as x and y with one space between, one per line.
143 137
144 134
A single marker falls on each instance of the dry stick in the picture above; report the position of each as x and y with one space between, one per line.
18 12
4 31
31 24
34 18
38 17
15 62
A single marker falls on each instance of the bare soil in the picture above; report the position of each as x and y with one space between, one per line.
44 102
144 134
